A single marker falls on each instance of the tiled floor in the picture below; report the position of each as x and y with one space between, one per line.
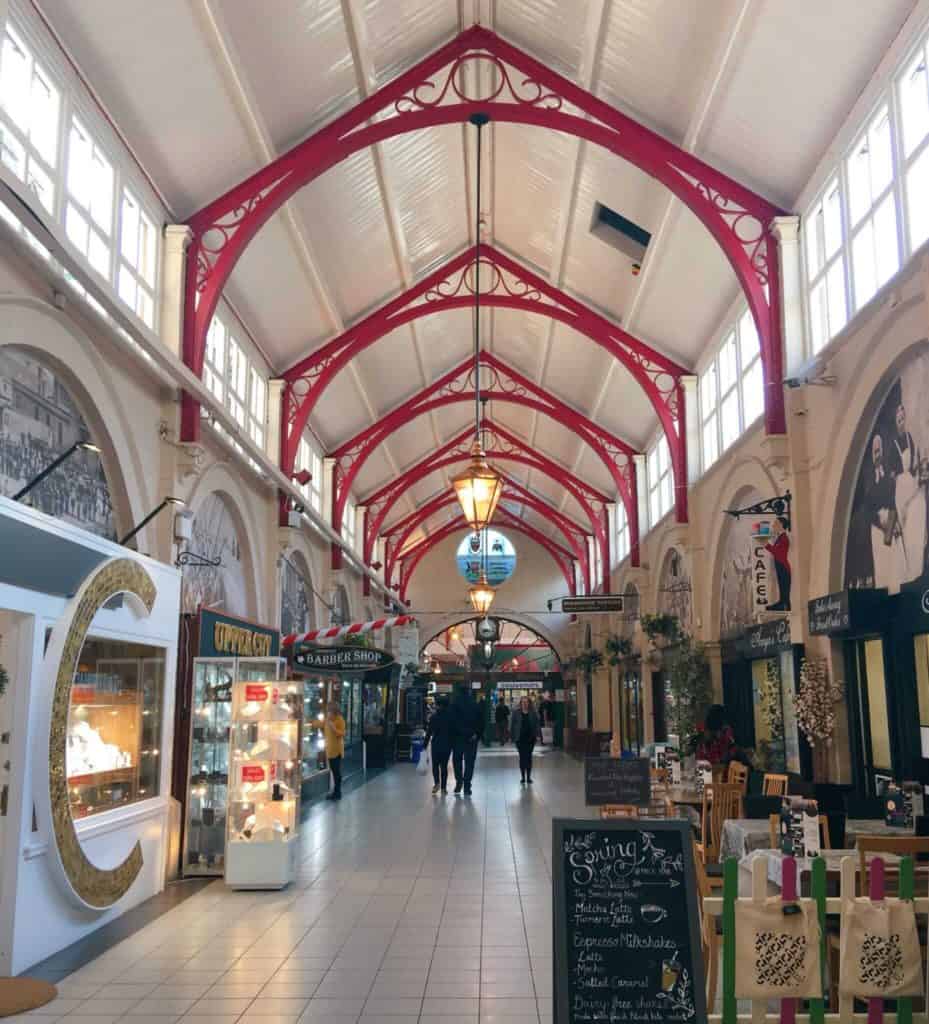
409 908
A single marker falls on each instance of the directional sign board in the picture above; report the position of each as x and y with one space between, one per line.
594 603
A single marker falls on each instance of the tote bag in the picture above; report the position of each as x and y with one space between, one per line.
424 765
879 950
777 954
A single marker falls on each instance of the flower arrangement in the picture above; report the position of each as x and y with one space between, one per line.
814 703
769 698
691 690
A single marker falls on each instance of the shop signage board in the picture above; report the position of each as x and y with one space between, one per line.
342 659
626 939
614 780
594 603
761 536
765 639
519 684
222 636
846 611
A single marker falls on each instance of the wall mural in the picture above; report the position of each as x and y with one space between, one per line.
38 422
296 595
674 589
214 536
887 531
737 589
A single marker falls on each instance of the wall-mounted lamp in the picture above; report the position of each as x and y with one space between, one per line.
151 516
83 446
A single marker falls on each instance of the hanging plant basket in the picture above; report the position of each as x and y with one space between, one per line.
661 629
618 649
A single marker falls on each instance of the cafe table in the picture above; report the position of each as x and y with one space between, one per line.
742 836
689 796
833 859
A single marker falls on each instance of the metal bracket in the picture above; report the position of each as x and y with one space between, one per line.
778 506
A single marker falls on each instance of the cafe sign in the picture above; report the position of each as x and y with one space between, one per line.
765 639
829 614
342 659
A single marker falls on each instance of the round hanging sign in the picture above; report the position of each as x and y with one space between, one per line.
500 557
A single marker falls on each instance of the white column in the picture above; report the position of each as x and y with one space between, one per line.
328 488
578 576
692 419
275 419
380 555
360 516
173 275
641 486
787 232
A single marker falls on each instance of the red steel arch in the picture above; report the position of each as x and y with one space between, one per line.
500 444
525 91
399 533
414 555
505 384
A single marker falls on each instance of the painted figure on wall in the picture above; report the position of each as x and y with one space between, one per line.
38 422
887 537
742 587
675 595
296 595
779 550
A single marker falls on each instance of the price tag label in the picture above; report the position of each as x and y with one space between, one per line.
257 692
253 773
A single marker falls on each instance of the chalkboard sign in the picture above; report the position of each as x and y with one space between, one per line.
612 780
627 944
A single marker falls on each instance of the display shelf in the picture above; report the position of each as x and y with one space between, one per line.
264 784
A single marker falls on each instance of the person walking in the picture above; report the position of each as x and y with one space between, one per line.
502 719
334 732
524 729
439 734
467 725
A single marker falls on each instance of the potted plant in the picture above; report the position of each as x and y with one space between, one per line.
661 629
691 692
589 661
618 648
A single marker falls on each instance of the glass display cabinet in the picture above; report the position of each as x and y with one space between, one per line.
313 742
264 784
114 726
208 773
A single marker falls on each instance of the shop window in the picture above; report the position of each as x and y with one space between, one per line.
257 403
313 741
921 651
30 109
872 209
138 250
89 213
622 532
777 740
876 719
114 726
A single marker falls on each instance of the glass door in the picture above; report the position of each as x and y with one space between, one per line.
872 713
921 652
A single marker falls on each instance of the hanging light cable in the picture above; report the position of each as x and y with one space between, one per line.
479 487
482 594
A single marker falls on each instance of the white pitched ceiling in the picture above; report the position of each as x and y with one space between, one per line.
207 91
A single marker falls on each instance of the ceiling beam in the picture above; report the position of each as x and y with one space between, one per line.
246 104
737 21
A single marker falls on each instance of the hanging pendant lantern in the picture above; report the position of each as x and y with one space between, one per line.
478 489
481 595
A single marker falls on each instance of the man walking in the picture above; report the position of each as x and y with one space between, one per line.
467 726
502 720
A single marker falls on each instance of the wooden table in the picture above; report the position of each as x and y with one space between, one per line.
833 859
686 795
743 836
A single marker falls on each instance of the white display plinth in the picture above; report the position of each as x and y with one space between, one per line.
264 785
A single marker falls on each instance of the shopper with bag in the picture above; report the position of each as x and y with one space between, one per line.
334 732
524 730
467 721
439 743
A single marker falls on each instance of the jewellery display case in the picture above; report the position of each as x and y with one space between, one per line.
264 784
208 773
114 726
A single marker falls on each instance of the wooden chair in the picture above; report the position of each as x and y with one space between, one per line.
721 801
901 846
710 933
774 785
661 776
738 775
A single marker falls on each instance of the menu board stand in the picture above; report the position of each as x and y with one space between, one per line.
626 934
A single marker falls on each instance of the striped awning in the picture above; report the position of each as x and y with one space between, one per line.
335 632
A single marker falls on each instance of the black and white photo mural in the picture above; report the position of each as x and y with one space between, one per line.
296 595
674 589
215 539
887 530
39 421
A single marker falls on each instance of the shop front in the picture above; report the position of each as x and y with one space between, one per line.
761 669
216 651
88 639
364 682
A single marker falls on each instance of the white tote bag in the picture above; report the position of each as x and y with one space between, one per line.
424 765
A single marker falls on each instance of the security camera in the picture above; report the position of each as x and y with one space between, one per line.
293 519
183 525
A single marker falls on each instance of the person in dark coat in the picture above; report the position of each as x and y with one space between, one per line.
502 719
524 730
439 734
467 725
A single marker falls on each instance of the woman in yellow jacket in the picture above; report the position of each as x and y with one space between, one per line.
334 730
